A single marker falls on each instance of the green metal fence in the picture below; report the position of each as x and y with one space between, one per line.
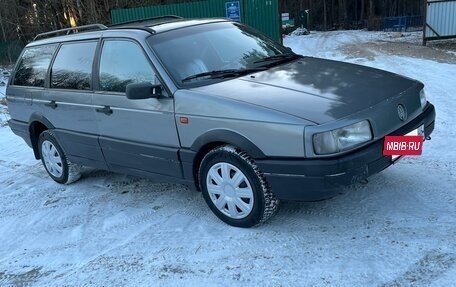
262 15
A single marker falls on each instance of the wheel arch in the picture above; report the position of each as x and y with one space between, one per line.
37 124
215 138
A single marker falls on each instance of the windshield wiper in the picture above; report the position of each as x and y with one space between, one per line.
277 57
223 73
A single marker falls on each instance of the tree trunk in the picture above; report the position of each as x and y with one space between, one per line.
371 9
80 14
343 14
325 24
309 19
371 16
4 37
356 11
361 13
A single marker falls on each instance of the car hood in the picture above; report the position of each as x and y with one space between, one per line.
314 89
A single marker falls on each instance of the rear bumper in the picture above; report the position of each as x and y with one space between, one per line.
316 179
21 129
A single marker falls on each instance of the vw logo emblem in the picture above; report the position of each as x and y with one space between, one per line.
401 112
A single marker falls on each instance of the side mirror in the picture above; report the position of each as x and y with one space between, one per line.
141 91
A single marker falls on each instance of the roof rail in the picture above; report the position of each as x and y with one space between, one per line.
152 20
72 30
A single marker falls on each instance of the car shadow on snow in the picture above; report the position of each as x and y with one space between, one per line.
359 205
349 205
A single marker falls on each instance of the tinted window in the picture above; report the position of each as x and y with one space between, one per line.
33 66
123 63
72 67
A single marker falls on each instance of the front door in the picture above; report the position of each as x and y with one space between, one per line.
136 136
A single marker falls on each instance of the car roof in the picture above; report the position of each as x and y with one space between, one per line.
134 29
163 27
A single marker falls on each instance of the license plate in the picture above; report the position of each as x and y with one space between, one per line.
416 132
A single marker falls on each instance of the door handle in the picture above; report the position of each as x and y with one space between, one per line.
105 110
51 104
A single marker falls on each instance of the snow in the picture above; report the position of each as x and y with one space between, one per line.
4 116
109 229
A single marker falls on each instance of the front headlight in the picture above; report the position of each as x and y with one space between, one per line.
423 99
342 139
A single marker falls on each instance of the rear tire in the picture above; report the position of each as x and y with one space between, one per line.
55 161
235 189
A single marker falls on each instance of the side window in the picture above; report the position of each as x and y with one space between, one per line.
123 63
33 66
72 68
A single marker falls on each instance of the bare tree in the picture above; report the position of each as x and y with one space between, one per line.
21 20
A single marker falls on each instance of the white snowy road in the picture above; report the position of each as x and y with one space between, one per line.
114 230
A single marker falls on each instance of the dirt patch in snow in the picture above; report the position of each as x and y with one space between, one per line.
442 51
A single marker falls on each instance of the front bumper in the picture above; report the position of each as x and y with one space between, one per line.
316 179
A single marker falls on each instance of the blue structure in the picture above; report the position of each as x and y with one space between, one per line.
402 23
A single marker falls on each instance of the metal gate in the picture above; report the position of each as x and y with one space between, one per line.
440 21
260 14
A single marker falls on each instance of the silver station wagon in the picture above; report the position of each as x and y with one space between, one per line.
209 103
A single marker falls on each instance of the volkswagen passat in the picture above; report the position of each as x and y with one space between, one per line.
211 103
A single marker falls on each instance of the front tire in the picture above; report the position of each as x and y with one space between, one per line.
55 161
235 189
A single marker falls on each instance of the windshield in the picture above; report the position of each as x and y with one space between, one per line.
208 52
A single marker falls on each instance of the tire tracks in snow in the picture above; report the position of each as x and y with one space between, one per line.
426 270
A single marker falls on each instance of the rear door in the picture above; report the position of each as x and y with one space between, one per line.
136 136
67 104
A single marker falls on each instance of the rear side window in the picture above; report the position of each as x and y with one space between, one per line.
123 63
33 66
72 68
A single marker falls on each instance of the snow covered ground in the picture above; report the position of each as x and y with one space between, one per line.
114 230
